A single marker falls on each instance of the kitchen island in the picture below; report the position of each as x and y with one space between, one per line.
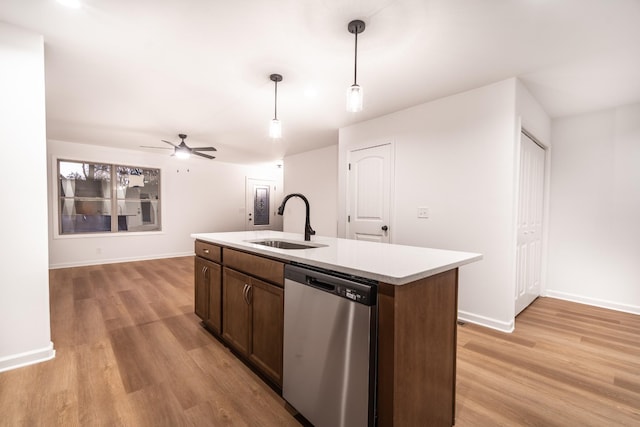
417 311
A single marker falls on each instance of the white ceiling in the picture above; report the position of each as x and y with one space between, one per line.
127 73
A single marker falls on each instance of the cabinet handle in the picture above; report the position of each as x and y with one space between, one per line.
206 251
204 271
249 294
245 293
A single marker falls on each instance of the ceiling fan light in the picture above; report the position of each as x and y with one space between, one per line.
275 129
354 98
183 154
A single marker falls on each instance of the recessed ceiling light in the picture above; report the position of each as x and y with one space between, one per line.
73 4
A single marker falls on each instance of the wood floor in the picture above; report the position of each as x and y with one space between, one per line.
566 364
130 352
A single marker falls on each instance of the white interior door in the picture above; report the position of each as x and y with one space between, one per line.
369 194
260 208
530 215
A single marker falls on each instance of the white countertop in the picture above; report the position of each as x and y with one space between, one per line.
388 263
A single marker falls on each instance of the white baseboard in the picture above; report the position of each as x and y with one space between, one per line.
499 325
611 305
19 360
117 260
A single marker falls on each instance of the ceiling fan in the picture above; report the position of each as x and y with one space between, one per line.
183 151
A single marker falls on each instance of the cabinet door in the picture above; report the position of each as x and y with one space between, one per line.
236 313
200 283
267 320
255 265
213 320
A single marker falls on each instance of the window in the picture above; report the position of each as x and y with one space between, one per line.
261 205
102 198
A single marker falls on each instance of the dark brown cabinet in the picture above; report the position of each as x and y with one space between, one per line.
253 313
236 310
208 286
208 293
267 325
240 298
201 288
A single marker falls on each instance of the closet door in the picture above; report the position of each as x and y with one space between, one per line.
530 224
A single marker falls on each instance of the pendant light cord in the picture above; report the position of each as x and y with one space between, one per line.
275 105
355 62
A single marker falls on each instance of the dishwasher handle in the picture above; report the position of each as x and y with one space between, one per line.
312 281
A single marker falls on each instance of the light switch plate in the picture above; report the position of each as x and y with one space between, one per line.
423 212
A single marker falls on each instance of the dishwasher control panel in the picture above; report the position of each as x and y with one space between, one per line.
362 296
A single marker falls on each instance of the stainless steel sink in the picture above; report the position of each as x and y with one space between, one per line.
285 244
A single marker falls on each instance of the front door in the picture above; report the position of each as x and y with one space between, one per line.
530 215
369 194
260 209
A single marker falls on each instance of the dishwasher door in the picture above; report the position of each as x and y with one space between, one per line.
329 357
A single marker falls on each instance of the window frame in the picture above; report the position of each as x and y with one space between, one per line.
113 199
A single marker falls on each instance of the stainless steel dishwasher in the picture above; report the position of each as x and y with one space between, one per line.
330 331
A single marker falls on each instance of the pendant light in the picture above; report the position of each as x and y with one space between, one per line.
354 92
275 129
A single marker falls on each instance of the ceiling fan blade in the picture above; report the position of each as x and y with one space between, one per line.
204 149
160 148
206 156
170 143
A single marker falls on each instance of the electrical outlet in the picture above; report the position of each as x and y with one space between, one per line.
423 212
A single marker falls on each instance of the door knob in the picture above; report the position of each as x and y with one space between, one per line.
385 228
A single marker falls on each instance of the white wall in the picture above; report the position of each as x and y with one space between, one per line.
594 236
314 174
458 157
197 196
531 115
25 335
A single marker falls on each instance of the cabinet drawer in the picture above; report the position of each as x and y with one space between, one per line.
264 268
208 251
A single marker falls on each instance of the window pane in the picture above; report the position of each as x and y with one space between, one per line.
84 216
138 193
85 190
85 179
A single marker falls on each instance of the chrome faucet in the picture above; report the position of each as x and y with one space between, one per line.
308 231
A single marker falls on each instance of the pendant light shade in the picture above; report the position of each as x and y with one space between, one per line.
354 98
275 127
354 92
